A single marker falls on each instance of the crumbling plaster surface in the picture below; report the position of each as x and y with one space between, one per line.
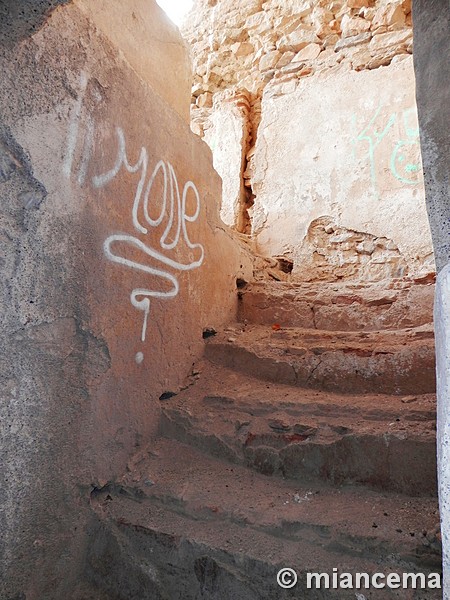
87 270
332 122
345 145
228 137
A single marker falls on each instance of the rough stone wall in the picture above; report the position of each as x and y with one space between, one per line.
247 43
113 261
332 129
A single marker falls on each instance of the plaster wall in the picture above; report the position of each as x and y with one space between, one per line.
342 145
113 260
150 43
333 163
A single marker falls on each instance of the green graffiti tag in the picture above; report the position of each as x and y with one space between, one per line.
403 162
374 138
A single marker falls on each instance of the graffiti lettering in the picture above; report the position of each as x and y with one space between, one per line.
152 256
403 158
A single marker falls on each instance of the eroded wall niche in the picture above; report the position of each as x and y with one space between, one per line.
329 135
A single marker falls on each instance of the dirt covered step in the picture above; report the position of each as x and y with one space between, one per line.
384 442
181 525
338 306
386 362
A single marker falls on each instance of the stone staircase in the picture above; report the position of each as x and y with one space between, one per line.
305 438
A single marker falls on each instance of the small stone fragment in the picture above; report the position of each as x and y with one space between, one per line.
167 395
409 399
208 332
279 425
297 40
305 430
309 52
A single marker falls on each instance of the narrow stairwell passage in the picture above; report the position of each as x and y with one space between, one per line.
290 446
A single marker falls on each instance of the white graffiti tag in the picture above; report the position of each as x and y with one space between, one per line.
153 255
173 206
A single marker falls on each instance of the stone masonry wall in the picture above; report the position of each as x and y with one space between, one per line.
329 132
113 261
250 42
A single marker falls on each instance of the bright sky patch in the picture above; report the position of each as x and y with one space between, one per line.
175 9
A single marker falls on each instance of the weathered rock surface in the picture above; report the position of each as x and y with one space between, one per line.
396 362
383 441
111 243
332 252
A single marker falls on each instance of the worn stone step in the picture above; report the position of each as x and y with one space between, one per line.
337 306
386 442
182 525
386 362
